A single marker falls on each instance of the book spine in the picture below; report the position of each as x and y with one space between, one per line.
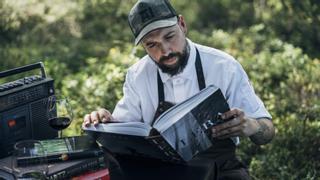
172 154
91 164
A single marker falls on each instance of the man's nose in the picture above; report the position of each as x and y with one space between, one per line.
165 49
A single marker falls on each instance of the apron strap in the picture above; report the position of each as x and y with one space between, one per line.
160 89
199 70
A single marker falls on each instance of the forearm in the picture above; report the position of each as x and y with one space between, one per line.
265 133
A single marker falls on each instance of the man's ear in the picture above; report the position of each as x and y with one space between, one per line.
182 24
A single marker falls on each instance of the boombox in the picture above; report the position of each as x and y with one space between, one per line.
23 107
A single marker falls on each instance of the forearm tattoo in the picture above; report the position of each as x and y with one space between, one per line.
265 133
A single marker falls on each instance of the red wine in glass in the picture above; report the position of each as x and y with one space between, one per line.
59 123
59 113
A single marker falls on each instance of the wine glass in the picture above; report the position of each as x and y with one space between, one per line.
29 160
59 113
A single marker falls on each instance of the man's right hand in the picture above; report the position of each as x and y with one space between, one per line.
99 116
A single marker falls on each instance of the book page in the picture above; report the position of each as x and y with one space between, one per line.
126 128
185 126
187 137
175 113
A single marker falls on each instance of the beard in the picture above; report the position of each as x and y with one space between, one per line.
182 60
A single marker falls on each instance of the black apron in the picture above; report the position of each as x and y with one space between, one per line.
223 151
218 162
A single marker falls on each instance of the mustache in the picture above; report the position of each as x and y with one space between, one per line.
171 55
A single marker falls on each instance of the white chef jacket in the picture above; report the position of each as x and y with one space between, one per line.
140 99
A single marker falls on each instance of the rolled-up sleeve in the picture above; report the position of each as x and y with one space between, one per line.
241 94
129 107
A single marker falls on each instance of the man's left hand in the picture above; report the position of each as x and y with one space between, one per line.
238 125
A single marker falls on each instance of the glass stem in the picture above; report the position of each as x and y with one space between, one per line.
60 134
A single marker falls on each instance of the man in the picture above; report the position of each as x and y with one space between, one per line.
174 69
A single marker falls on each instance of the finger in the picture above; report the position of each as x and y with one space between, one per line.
95 119
235 134
86 120
105 115
227 132
228 124
232 113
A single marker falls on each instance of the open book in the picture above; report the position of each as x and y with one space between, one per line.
177 135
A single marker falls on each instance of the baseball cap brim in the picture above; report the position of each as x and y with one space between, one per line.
155 25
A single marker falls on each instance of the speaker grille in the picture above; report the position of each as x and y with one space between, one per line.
39 119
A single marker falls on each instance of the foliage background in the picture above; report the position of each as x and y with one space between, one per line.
87 46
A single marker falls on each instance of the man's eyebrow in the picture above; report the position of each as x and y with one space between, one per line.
148 43
169 33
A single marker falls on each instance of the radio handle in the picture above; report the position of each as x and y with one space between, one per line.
23 69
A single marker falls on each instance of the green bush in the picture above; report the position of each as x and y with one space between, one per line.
97 85
287 81
87 47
